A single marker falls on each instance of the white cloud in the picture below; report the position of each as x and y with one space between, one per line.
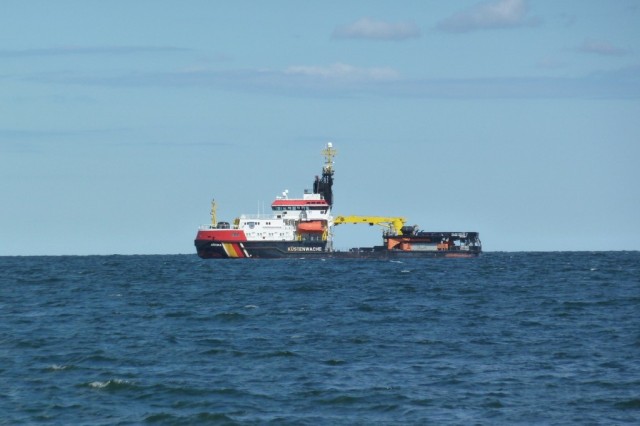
489 15
343 80
342 71
600 47
367 28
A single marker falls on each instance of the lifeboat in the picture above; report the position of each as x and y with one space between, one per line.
311 226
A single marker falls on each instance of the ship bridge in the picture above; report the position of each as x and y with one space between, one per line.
309 207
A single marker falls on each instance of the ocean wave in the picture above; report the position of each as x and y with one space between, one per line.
113 384
58 367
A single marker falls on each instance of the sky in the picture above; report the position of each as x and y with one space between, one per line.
121 120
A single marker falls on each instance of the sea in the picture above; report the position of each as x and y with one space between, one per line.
505 338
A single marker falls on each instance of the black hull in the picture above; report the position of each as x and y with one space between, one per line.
382 253
298 249
260 249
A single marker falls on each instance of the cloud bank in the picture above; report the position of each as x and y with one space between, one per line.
344 80
344 72
493 14
367 28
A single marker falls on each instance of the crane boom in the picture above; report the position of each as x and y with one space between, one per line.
394 224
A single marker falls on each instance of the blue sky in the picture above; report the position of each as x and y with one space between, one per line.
120 120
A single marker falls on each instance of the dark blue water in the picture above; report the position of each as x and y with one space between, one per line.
544 338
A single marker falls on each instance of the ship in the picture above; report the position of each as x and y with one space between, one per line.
302 227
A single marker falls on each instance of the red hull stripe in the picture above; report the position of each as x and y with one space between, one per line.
239 252
222 235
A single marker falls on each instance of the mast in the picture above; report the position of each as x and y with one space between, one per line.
328 153
323 186
213 213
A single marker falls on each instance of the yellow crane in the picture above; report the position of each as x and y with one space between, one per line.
393 224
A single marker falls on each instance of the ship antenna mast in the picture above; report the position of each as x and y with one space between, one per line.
214 220
323 185
329 152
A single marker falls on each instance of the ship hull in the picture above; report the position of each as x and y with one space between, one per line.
298 249
383 253
207 249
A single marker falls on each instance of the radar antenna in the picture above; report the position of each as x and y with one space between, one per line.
329 152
